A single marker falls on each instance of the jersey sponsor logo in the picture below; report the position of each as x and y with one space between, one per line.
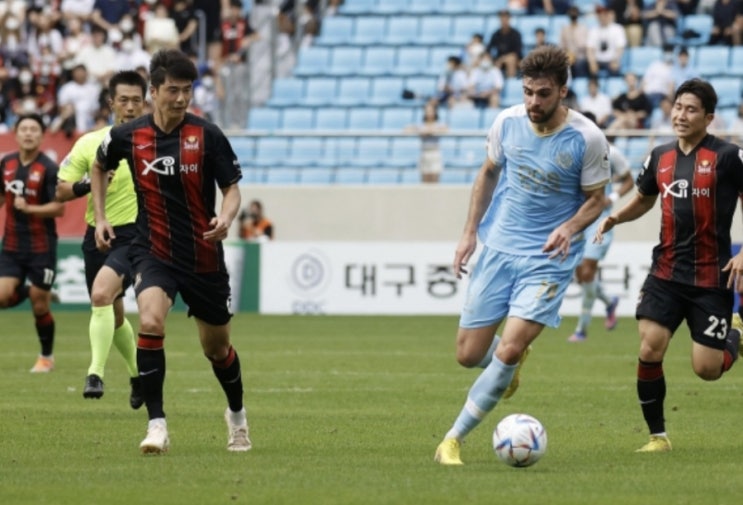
704 167
187 168
677 189
34 176
191 143
15 187
164 165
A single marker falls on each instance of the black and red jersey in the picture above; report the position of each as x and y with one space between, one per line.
698 193
175 175
36 182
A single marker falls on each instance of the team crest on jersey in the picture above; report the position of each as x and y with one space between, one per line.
191 143
564 160
34 176
704 167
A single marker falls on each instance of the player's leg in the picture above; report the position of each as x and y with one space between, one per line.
41 274
104 288
13 290
586 276
208 298
127 347
716 343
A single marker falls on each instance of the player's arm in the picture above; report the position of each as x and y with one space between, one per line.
73 181
634 209
558 242
67 191
44 210
220 225
104 232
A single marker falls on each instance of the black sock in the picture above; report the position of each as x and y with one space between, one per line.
45 331
151 365
651 390
228 373
732 347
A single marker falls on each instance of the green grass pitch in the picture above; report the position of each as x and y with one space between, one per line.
349 410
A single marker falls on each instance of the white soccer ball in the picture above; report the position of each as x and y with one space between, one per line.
519 440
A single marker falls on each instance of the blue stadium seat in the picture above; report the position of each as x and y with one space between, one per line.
342 149
728 116
579 85
449 147
363 118
614 86
492 23
330 118
391 6
640 57
513 92
345 60
323 175
736 61
557 23
370 30
527 24
434 30
402 30
320 91
466 26
282 175
305 152
711 61
383 176
411 61
488 116
489 7
270 151
298 118
379 60
371 152
728 90
410 177
335 30
471 151
353 91
396 118
350 175
252 175
463 119
358 7
455 176
458 7
312 60
386 91
264 118
423 87
636 150
697 23
438 57
423 6
286 91
244 148
404 152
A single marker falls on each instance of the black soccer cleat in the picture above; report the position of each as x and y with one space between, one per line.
135 397
93 387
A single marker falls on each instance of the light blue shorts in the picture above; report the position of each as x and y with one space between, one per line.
527 287
597 251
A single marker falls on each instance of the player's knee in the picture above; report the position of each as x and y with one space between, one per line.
151 325
467 358
707 372
101 296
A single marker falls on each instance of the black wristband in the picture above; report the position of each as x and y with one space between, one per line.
81 188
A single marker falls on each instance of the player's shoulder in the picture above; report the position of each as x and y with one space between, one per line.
722 146
8 157
513 112
584 125
130 126
47 161
208 127
92 137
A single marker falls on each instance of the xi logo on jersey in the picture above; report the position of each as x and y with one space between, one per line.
15 186
165 165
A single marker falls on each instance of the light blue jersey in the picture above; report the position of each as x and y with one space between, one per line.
542 179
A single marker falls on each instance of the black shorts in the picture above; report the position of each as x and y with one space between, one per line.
707 310
117 258
206 294
39 268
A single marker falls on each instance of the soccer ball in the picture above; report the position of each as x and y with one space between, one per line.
519 440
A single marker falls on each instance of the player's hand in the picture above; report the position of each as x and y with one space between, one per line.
735 267
604 227
104 235
465 249
219 230
20 204
558 243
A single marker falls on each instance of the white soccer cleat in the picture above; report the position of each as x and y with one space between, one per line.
237 431
156 441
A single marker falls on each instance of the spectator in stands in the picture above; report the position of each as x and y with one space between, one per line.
547 6
452 84
254 226
430 163
485 83
76 9
660 22
187 24
160 31
129 30
130 55
99 58
505 46
75 40
214 11
682 70
540 37
658 81
630 109
472 51
573 39
726 28
237 36
108 13
12 39
4 94
660 121
78 103
205 98
605 46
687 7
23 94
43 34
628 14
597 103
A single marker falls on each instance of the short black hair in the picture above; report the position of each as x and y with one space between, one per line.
30 115
171 63
700 89
129 78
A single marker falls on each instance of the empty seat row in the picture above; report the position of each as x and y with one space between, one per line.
348 175
357 7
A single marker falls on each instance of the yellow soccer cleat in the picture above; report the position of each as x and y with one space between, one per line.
447 453
737 324
658 443
514 385
44 364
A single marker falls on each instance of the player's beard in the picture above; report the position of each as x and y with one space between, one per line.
544 115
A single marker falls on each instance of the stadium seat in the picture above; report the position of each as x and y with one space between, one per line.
320 91
312 60
363 118
270 151
327 118
350 175
488 116
378 61
423 6
316 176
457 7
396 118
736 61
402 30
353 91
614 86
728 90
557 23
358 7
513 92
489 7
528 24
466 26
463 119
282 175
409 177
404 152
264 118
640 57
252 175
342 149
286 91
391 6
455 176
244 148
412 61
711 61
383 176
371 152
298 118
345 61
492 23
335 30
471 151
438 57
434 30
699 24
386 91
579 85
636 150
370 30
305 152
728 116
423 87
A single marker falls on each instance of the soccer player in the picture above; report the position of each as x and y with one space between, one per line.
698 178
30 240
107 274
541 184
176 160
585 274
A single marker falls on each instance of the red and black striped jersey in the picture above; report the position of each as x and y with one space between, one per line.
36 182
698 193
175 175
